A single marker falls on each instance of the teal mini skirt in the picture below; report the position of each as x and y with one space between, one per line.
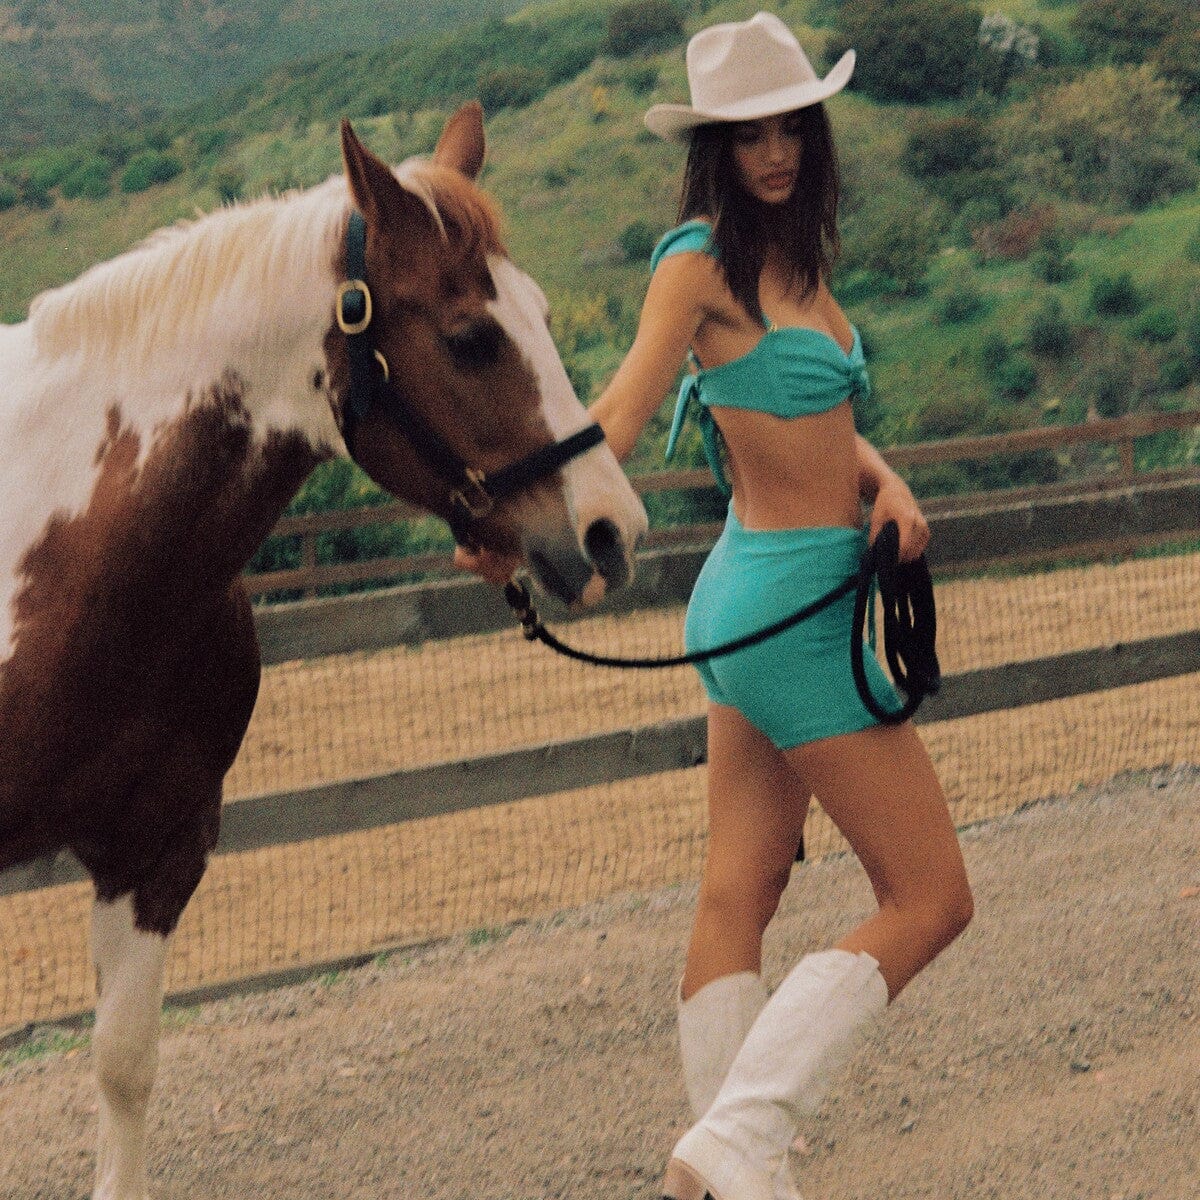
798 686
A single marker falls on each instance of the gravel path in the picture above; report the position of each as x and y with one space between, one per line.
1053 1053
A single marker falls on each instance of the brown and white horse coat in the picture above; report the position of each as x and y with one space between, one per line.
155 418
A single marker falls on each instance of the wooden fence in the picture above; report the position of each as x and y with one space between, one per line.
1092 522
1120 433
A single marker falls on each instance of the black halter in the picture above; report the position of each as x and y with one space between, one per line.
473 494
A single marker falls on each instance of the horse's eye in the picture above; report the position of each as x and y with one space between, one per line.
476 346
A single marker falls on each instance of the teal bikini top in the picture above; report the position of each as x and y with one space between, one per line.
790 372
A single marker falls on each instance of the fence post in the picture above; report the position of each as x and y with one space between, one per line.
1127 464
308 557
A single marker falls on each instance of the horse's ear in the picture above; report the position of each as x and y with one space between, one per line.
462 144
372 184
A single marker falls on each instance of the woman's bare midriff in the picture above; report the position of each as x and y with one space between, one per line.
792 472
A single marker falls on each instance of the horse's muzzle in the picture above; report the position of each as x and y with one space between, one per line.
578 572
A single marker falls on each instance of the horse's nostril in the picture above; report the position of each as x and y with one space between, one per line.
605 548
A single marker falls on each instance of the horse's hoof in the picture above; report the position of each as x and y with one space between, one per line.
682 1183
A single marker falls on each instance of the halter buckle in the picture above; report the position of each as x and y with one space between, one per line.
348 291
478 503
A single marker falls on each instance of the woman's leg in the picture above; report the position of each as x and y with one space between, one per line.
879 788
756 806
756 818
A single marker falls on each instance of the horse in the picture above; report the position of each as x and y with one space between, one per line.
156 416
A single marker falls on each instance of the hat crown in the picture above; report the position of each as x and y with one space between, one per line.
727 64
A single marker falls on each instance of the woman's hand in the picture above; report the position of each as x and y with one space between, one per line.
894 502
495 568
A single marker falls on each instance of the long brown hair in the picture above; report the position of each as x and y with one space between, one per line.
803 228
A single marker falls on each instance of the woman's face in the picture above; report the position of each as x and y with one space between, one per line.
767 154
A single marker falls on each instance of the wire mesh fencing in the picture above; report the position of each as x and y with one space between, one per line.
276 908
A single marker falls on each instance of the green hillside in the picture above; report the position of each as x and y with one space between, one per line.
73 65
1023 251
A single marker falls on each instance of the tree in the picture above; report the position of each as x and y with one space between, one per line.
910 50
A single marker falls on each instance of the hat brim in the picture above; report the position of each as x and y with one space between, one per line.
675 121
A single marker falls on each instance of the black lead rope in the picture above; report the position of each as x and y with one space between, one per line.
909 627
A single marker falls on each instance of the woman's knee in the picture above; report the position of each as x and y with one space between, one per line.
743 900
945 914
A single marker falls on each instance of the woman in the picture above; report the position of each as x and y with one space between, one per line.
742 284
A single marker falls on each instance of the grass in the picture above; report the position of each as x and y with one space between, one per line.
42 1043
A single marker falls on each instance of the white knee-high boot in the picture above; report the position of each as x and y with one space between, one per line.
713 1024
806 1033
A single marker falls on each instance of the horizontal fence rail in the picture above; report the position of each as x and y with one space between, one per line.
1120 432
1057 527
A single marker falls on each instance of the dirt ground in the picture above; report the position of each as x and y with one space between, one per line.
1053 1053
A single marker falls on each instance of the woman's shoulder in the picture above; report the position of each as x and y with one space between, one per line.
694 235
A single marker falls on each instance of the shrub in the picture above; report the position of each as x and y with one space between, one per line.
1113 395
1113 135
229 181
1007 48
1015 235
939 146
1148 173
867 411
637 241
960 302
641 78
1016 377
92 179
855 287
1191 336
993 352
1177 59
909 50
1157 324
8 195
146 169
33 193
1126 30
1174 373
1053 263
1191 248
1115 295
642 25
511 87
1107 384
1050 333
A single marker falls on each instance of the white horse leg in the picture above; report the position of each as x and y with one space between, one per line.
129 972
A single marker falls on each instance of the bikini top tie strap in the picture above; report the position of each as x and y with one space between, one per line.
689 400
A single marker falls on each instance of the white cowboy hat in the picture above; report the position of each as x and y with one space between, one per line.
745 70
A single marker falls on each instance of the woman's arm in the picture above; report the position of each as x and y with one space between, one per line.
892 500
671 314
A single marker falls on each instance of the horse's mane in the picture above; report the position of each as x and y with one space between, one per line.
160 293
